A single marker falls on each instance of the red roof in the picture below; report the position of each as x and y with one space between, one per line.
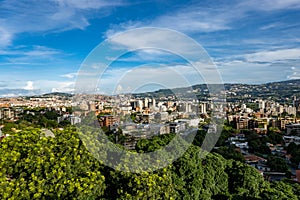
253 158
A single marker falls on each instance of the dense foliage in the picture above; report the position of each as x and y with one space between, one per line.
33 166
294 150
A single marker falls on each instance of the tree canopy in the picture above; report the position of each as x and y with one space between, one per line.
33 166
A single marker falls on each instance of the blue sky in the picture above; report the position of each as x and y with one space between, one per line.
43 43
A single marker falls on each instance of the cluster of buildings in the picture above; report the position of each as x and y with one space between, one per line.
267 114
144 117
11 108
148 110
260 163
259 116
54 101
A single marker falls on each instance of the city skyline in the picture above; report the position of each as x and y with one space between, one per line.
42 45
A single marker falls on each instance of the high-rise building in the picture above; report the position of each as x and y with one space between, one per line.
291 110
140 104
262 104
146 102
153 103
203 108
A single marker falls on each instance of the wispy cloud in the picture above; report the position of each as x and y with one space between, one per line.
270 5
148 55
29 51
69 75
274 56
88 4
188 20
133 79
295 73
28 54
213 17
272 26
157 40
238 71
144 77
196 20
5 36
47 16
261 66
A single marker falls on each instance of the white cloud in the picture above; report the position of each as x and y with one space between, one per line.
270 5
197 18
64 87
41 51
117 80
119 89
29 86
136 78
295 73
47 16
147 55
36 87
261 66
187 20
69 75
272 25
273 56
55 86
29 54
50 85
5 36
32 51
87 4
154 42
237 71
157 40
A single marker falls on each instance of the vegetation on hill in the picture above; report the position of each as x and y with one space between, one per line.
279 91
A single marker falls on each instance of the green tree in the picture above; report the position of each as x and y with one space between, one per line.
7 129
51 115
225 134
188 174
244 180
280 190
277 164
64 123
153 185
292 147
275 136
296 156
230 153
37 167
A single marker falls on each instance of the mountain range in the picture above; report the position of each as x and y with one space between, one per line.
279 91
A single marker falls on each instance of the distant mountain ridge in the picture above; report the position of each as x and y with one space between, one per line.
18 92
279 90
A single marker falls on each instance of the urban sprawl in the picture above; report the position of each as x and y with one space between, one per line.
249 120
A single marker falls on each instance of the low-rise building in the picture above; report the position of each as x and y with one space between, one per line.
292 129
176 127
289 139
107 120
